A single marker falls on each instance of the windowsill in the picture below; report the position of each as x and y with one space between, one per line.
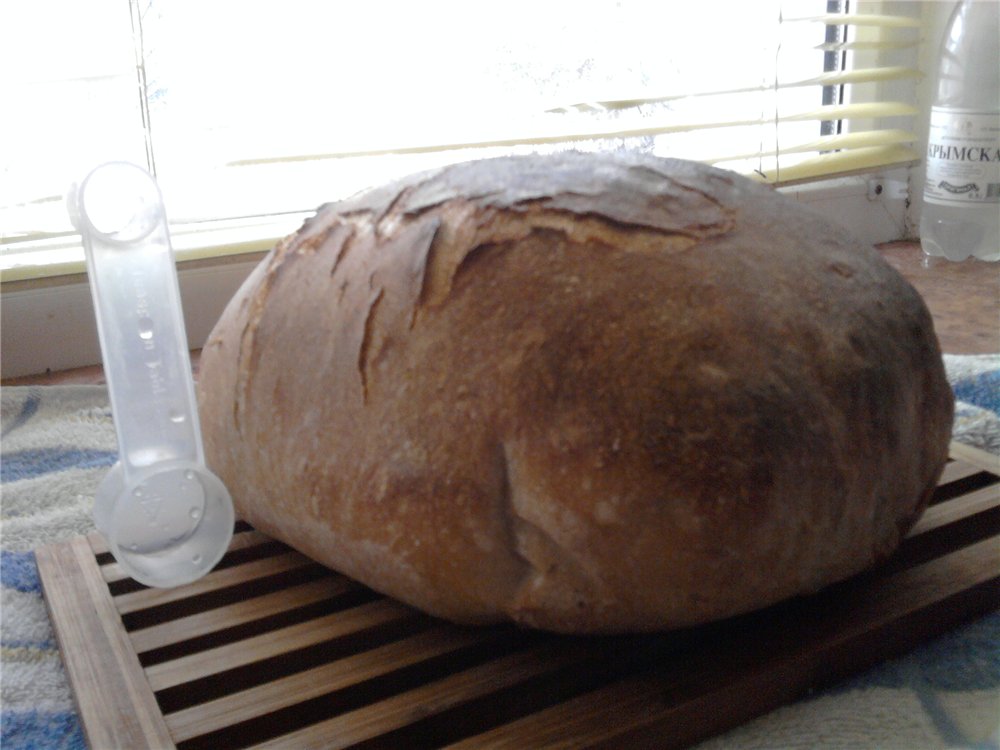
963 298
62 258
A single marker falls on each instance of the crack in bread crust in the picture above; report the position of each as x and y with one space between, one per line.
366 341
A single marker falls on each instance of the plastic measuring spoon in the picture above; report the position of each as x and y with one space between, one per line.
167 519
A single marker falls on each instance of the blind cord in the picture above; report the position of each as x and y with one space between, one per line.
140 67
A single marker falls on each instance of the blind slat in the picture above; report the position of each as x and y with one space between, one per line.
841 163
874 45
855 140
833 78
863 75
587 130
860 19
856 110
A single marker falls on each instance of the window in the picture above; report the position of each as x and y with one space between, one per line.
251 115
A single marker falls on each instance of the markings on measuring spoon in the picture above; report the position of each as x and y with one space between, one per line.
157 381
145 321
150 501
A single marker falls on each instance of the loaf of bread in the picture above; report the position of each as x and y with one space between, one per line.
586 393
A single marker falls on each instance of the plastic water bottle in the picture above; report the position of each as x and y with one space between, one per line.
961 211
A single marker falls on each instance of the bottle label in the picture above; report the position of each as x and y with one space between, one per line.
963 157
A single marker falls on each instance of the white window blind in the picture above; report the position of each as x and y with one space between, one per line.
251 115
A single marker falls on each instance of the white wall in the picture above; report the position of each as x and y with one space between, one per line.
52 327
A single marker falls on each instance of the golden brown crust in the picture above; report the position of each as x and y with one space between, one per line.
587 393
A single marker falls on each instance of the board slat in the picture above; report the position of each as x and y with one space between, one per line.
116 705
213 581
955 470
327 663
203 623
975 456
957 508
586 719
378 718
274 643
246 704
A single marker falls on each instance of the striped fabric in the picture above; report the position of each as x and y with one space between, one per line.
59 441
56 445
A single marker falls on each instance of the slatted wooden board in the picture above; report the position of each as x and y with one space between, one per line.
272 651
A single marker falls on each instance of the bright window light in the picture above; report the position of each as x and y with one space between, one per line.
249 110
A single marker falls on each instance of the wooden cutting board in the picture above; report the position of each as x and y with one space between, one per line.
271 650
